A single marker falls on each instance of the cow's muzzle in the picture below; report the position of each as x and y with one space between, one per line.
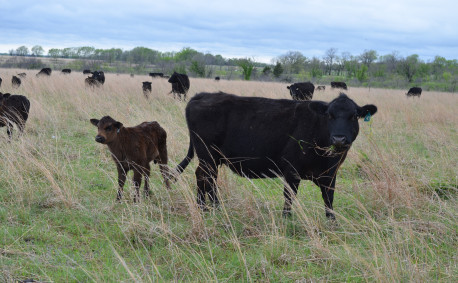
99 139
339 141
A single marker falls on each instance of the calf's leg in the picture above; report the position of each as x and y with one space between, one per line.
137 181
146 174
121 180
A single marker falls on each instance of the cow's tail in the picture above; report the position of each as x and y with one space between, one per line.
185 162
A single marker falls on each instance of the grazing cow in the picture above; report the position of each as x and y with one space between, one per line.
15 81
87 72
301 91
66 71
414 91
268 138
44 72
341 85
22 75
320 88
180 85
146 88
13 109
154 75
133 148
217 78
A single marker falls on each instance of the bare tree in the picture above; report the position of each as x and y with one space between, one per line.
22 51
37 50
329 58
368 57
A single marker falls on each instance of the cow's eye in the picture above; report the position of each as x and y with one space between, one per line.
108 128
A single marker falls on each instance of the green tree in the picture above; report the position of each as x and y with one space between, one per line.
315 68
22 51
368 57
198 68
278 70
247 68
54 52
37 50
408 67
292 61
185 54
361 73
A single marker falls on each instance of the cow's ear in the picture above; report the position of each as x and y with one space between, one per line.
117 125
6 95
287 87
94 122
318 107
367 109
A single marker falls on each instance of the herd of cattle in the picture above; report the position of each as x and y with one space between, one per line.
298 139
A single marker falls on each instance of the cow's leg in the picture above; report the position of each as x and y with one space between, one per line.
163 160
9 130
146 174
121 180
327 186
137 181
206 177
289 192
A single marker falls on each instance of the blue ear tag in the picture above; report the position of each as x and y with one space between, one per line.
120 129
368 117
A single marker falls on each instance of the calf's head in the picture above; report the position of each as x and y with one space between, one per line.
108 129
342 116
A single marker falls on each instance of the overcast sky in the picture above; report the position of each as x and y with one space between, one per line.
236 28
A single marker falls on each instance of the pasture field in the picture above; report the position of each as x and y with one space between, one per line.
395 202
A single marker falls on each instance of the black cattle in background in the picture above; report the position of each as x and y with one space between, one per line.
180 85
154 75
14 109
146 88
66 71
217 78
414 91
44 72
22 75
267 138
320 88
301 91
87 72
0 82
15 81
341 85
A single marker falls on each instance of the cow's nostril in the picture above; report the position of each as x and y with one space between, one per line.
99 139
338 140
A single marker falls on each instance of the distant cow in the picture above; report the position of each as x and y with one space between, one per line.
146 88
301 91
134 148
15 81
14 109
131 75
341 85
180 85
22 75
44 72
217 78
0 82
414 91
87 72
66 71
154 75
320 88
266 138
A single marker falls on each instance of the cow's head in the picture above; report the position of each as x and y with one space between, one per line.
342 115
147 84
173 78
108 129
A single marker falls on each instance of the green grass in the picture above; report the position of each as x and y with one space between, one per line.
395 201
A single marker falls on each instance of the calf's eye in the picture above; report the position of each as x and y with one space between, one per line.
108 128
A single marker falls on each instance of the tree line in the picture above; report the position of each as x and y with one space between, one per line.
365 69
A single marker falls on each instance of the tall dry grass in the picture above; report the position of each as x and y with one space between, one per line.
395 201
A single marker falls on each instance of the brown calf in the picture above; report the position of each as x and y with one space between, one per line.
134 148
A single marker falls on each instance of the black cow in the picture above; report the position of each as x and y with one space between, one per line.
414 91
66 71
146 88
320 88
267 138
13 109
156 75
180 85
0 82
15 81
301 91
341 85
87 72
22 75
217 78
44 72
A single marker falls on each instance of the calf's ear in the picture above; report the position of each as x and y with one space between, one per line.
117 125
367 109
318 107
6 95
94 122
